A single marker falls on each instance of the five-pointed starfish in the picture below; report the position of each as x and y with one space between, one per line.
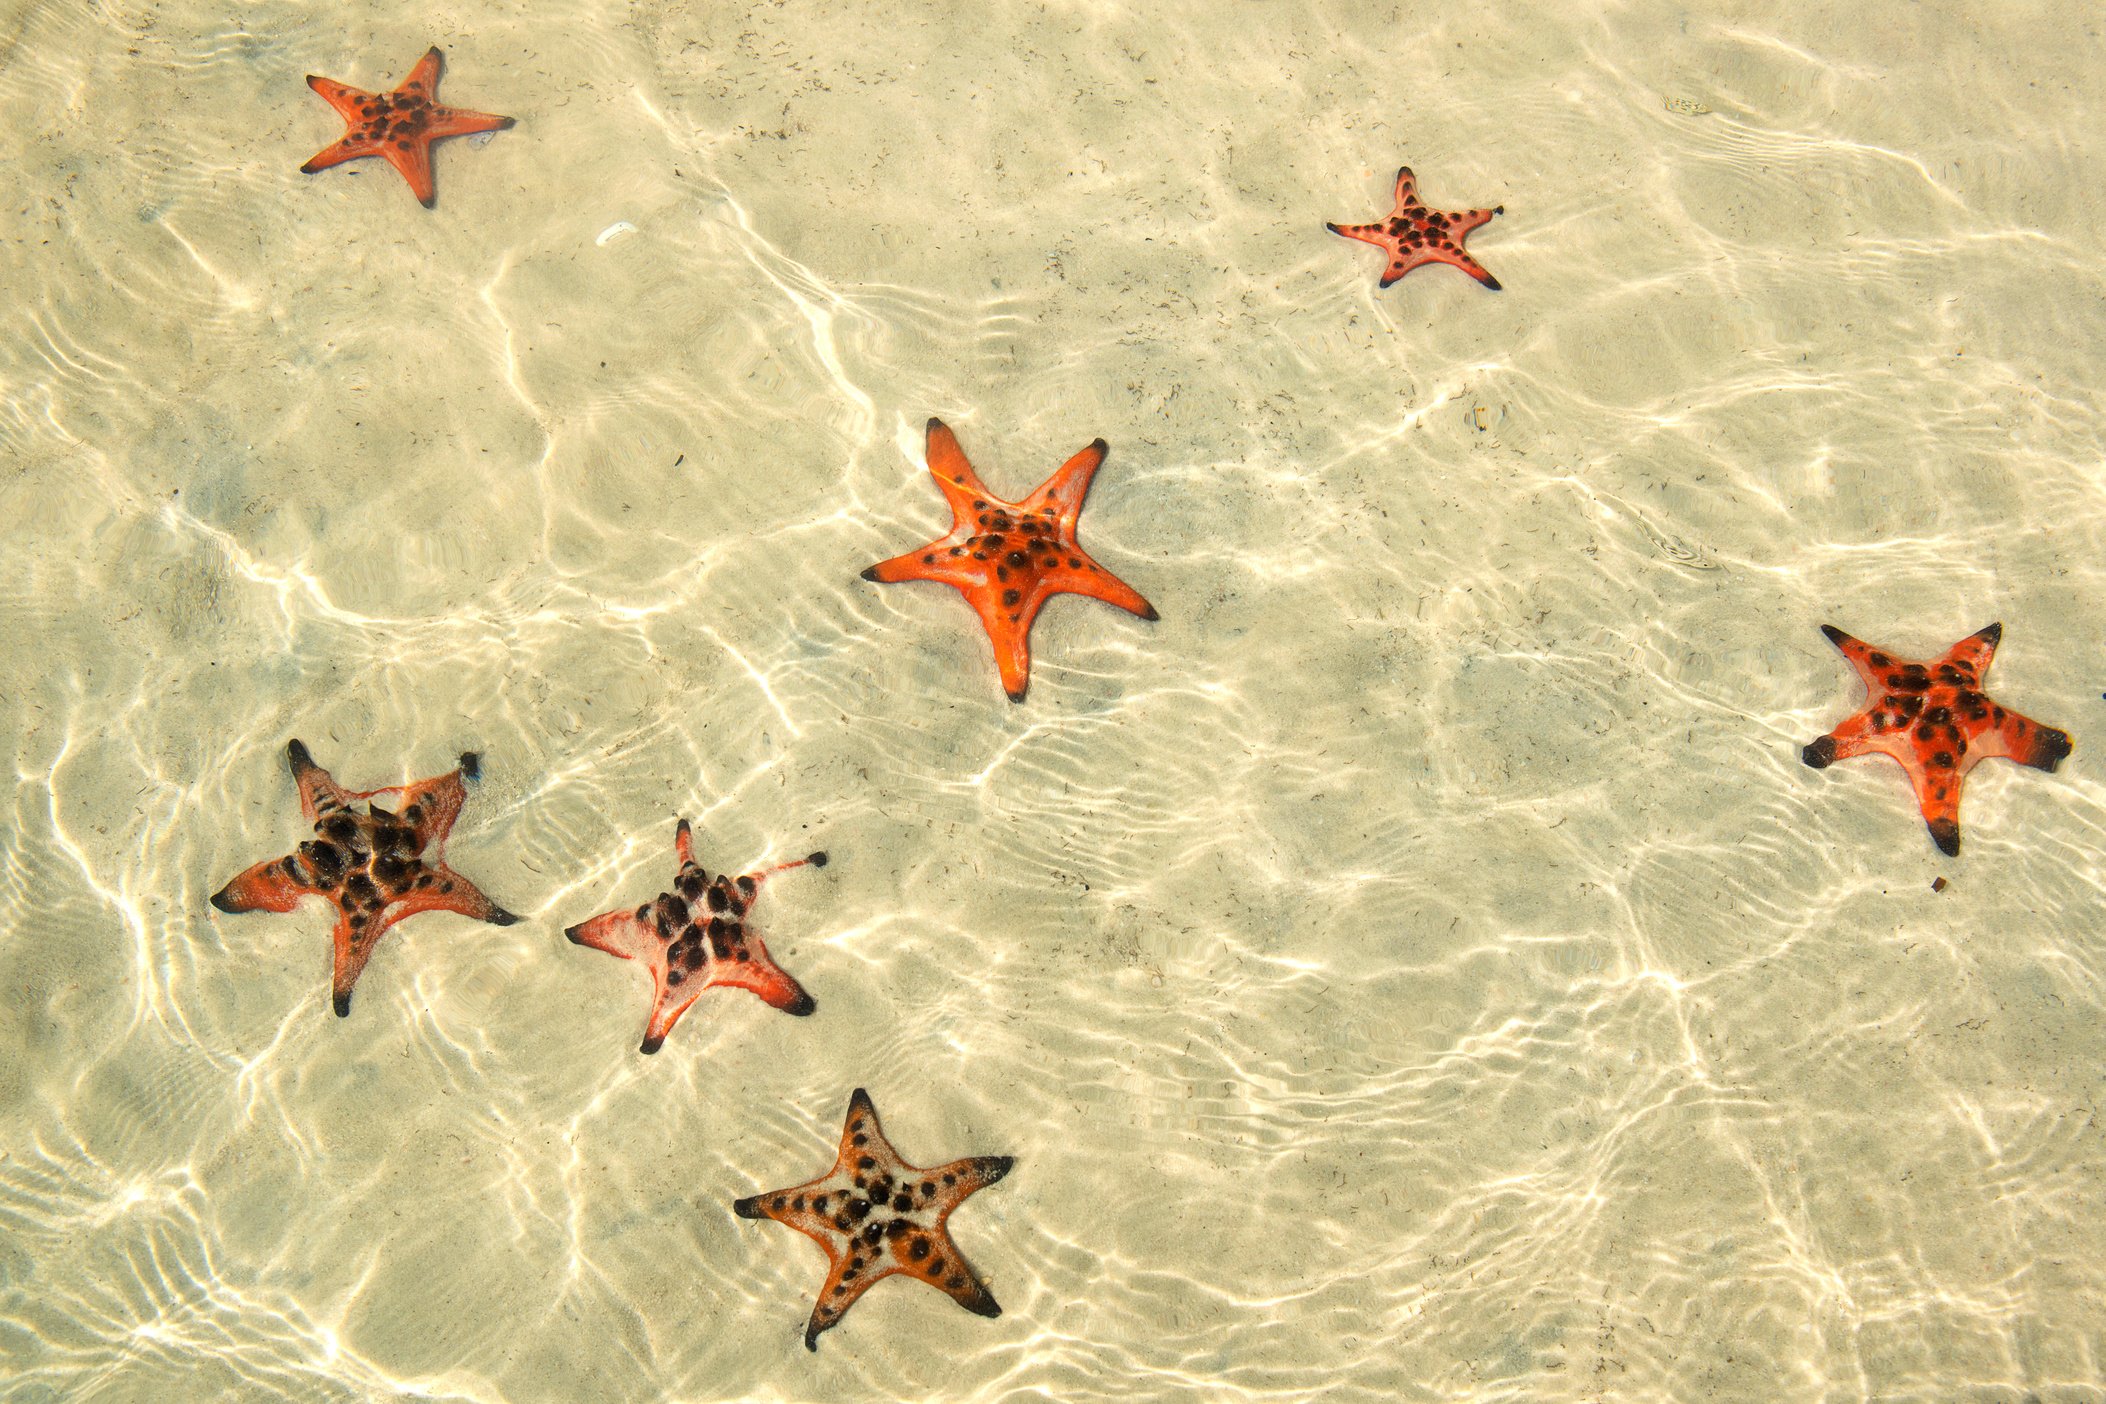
368 865
1934 719
1009 558
400 125
1413 234
695 938
875 1215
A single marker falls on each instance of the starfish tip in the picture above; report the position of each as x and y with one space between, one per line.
811 1340
429 201
471 765
1835 635
571 932
1018 694
343 1005
221 900
1819 754
933 425
500 917
748 1208
505 124
1332 227
870 573
983 1304
1150 615
2054 746
1946 834
1489 281
652 1045
309 169
1993 634
817 860
800 1006
998 1166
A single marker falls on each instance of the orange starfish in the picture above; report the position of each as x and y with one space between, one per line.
876 1215
1935 720
1009 558
400 126
695 938
1413 234
369 865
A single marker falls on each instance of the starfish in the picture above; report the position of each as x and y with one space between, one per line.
369 865
695 938
876 1215
1935 720
400 126
1414 234
1009 558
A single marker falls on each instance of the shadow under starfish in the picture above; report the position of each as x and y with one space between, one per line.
369 865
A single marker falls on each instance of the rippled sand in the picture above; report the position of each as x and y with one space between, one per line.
1419 967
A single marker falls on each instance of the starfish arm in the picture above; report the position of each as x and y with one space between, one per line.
412 157
684 844
943 1267
349 148
1376 234
1063 493
1855 736
1008 624
848 1277
1461 223
1407 188
932 562
2021 739
1467 264
1974 653
1861 655
459 121
961 1178
448 892
1086 577
1938 797
624 935
354 941
423 80
274 885
955 479
347 100
750 967
429 807
319 794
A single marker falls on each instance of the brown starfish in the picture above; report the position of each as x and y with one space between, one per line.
369 865
876 1215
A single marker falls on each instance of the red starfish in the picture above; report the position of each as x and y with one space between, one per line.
695 938
876 1215
400 125
368 865
1935 719
1414 234
1009 558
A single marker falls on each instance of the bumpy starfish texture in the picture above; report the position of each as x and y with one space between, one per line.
695 937
876 1215
1935 719
371 865
1009 558
400 126
1413 234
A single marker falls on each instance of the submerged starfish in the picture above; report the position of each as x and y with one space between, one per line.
400 126
1935 720
1413 234
369 864
1009 558
876 1215
695 938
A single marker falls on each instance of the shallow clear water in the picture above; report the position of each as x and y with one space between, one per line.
1418 967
